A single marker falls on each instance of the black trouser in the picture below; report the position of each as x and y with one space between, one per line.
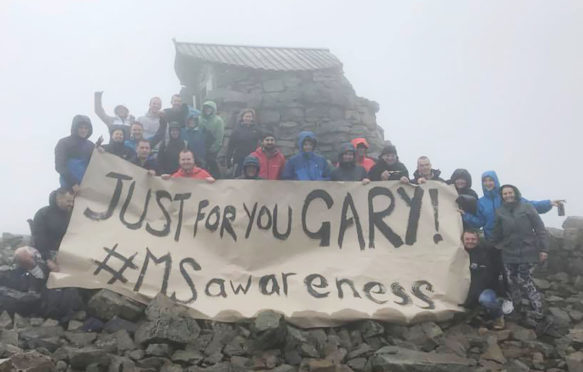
212 165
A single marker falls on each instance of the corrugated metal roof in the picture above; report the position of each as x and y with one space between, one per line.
260 58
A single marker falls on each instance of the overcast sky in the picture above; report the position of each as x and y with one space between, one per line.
474 84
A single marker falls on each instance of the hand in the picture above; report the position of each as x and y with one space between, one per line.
76 188
422 180
151 172
210 180
461 211
165 176
99 141
100 149
365 181
404 180
52 265
543 256
556 203
385 175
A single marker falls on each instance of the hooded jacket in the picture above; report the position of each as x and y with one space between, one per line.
396 170
177 115
49 226
270 166
72 153
366 162
214 124
485 269
119 148
347 171
519 231
306 166
250 160
491 201
464 174
198 140
436 176
243 141
169 151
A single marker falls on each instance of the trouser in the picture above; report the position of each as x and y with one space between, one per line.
491 303
212 165
520 283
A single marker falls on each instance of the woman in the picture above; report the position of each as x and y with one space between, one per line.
243 141
521 235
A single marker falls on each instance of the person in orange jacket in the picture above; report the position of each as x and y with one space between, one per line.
188 168
271 160
361 146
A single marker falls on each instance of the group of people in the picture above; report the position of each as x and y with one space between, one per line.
182 142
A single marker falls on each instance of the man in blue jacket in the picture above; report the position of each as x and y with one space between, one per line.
306 165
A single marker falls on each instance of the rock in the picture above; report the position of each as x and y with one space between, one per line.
80 339
116 323
522 334
517 366
32 361
360 350
61 366
424 335
318 365
275 85
576 315
74 325
154 363
123 341
575 362
576 335
6 365
119 363
5 320
309 351
573 222
357 364
106 304
167 329
236 346
392 358
187 356
161 350
370 328
493 351
136 354
20 322
269 330
560 315
9 337
81 358
542 284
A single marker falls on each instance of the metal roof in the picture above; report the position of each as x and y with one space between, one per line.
260 58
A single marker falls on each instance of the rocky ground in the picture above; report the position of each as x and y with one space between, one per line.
117 334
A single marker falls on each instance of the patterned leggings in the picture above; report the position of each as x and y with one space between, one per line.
520 281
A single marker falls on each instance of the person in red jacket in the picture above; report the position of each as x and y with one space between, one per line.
361 146
188 168
271 160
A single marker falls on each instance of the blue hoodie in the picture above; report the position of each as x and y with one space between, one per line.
491 201
72 153
306 166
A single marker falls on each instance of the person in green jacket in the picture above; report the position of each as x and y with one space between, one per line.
215 125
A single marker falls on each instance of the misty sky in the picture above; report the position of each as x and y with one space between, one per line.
474 84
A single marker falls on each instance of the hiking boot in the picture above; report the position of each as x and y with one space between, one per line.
499 323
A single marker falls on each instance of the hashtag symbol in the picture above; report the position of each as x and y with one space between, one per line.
115 274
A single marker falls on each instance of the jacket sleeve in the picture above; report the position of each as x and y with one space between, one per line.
218 133
108 120
61 163
541 206
40 234
539 229
475 220
159 135
327 171
374 174
497 232
404 171
281 168
231 147
288 171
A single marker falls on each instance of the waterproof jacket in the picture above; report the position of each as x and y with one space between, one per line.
197 173
519 232
49 226
347 171
306 166
72 153
366 162
243 141
464 174
214 124
198 140
119 148
168 155
396 170
270 166
436 176
491 201
486 271
150 164
177 115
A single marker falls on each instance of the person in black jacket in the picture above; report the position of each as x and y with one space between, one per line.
347 169
486 277
462 180
144 158
243 141
177 113
116 145
170 149
48 228
388 167
425 173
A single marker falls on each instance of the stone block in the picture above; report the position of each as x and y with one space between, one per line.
268 117
106 304
274 85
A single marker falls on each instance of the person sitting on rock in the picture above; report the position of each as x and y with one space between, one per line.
144 158
122 114
250 168
188 168
388 167
170 149
116 145
198 139
72 153
271 160
425 172
137 134
306 165
361 146
486 273
347 169
243 141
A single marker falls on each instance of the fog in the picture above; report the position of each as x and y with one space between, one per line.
480 85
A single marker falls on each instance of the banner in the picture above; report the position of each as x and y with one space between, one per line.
321 253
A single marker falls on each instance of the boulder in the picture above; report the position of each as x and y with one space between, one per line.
393 358
106 304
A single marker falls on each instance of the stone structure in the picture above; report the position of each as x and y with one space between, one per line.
291 89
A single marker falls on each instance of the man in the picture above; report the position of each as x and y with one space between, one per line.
250 169
425 173
151 120
216 127
361 146
122 114
137 134
144 159
178 112
271 160
347 169
198 139
388 167
188 169
486 274
116 145
48 228
72 153
243 141
306 165
169 150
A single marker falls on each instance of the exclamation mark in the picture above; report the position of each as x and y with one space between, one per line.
435 204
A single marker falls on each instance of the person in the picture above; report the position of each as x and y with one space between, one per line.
151 120
361 146
243 141
177 113
48 228
197 138
215 126
137 134
122 114
271 160
144 158
188 168
462 180
492 200
116 145
425 172
522 237
250 168
347 169
168 154
388 167
72 153
486 274
306 165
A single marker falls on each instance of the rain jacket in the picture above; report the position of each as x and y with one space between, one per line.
197 173
347 171
270 166
486 269
214 124
436 176
306 166
198 139
396 170
72 154
177 115
119 148
169 151
49 226
491 201
519 231
366 162
463 173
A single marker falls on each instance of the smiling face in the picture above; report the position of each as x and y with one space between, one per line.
348 157
508 195
488 183
268 143
117 136
251 171
389 158
137 131
186 161
65 201
155 105
247 118
470 240
308 145
460 183
174 133
83 130
424 166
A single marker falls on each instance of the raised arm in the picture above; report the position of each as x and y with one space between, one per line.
108 120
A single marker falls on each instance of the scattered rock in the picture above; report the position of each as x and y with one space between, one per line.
392 358
106 304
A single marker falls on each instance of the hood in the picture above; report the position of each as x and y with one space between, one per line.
210 104
461 173
53 198
516 192
115 127
491 194
243 112
390 149
303 136
77 121
251 160
344 148
359 141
